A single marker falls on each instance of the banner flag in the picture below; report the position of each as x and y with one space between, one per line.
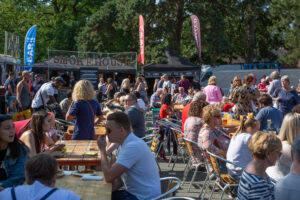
29 48
197 35
141 58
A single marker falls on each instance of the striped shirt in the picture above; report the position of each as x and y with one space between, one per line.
255 187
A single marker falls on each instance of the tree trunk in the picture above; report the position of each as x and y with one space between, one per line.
179 24
250 47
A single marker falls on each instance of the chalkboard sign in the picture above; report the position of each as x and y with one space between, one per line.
91 74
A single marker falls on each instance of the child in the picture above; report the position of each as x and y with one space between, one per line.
52 134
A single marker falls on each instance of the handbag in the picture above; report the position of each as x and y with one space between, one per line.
25 114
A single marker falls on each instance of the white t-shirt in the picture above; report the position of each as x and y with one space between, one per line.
141 104
102 86
167 84
142 177
46 90
36 191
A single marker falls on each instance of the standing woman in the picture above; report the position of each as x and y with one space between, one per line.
141 87
286 97
85 108
35 138
212 91
242 97
125 86
111 89
237 82
13 154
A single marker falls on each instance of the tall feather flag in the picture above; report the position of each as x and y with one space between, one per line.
29 48
141 58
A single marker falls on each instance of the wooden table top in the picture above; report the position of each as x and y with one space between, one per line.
178 107
77 153
99 130
87 189
232 123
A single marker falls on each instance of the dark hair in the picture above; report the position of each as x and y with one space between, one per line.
41 167
296 109
16 147
196 108
137 94
11 74
121 119
132 96
69 93
19 73
36 125
266 100
166 99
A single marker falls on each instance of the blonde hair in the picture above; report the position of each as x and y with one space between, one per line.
290 127
246 123
263 143
126 83
209 112
235 79
83 90
212 80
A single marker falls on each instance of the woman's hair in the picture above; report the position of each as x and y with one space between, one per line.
166 99
36 124
196 108
285 77
248 79
296 109
212 80
140 79
41 167
83 90
262 143
209 112
16 147
191 91
290 127
125 83
235 80
246 123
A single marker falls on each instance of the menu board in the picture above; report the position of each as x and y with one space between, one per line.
91 74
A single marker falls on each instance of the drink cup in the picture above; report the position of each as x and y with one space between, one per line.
224 120
250 115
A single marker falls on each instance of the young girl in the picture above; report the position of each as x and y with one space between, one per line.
52 134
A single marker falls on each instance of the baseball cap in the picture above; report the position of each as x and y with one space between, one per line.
25 72
37 75
59 78
227 107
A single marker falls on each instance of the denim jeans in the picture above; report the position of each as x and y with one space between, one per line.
122 194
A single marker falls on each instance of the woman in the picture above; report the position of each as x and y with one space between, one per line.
13 155
193 125
141 87
285 96
290 129
237 82
166 109
111 89
35 138
242 97
212 137
86 110
262 86
254 182
212 91
125 86
238 151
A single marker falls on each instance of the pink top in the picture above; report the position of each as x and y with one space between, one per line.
213 94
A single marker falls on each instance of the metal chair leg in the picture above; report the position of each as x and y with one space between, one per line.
186 170
213 189
193 178
174 162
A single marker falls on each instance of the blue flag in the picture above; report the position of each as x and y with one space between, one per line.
29 48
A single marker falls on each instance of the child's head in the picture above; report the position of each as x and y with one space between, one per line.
225 100
52 117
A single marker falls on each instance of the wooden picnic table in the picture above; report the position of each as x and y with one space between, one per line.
79 152
178 107
86 189
231 123
99 130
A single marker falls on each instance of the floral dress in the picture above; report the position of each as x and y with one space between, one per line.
242 97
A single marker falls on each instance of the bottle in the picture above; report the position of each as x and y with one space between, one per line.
269 129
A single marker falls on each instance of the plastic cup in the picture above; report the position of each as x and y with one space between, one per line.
224 120
250 115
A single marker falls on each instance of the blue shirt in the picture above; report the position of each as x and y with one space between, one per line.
269 113
153 100
288 99
12 85
84 124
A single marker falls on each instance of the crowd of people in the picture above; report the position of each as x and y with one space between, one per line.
265 147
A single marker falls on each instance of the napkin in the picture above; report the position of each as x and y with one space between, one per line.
91 153
68 173
92 178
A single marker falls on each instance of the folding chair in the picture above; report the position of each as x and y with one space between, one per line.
223 180
171 188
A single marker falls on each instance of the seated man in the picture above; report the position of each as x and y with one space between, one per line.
155 98
41 177
288 187
268 112
135 162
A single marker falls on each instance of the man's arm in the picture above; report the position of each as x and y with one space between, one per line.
52 99
19 90
10 90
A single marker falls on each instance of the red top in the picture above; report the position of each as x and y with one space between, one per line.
184 114
163 111
185 84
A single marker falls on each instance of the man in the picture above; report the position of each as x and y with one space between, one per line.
276 83
181 96
135 114
184 83
66 103
161 82
102 89
45 95
268 112
23 91
155 98
167 83
135 163
10 88
199 96
37 83
288 187
18 79
40 173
